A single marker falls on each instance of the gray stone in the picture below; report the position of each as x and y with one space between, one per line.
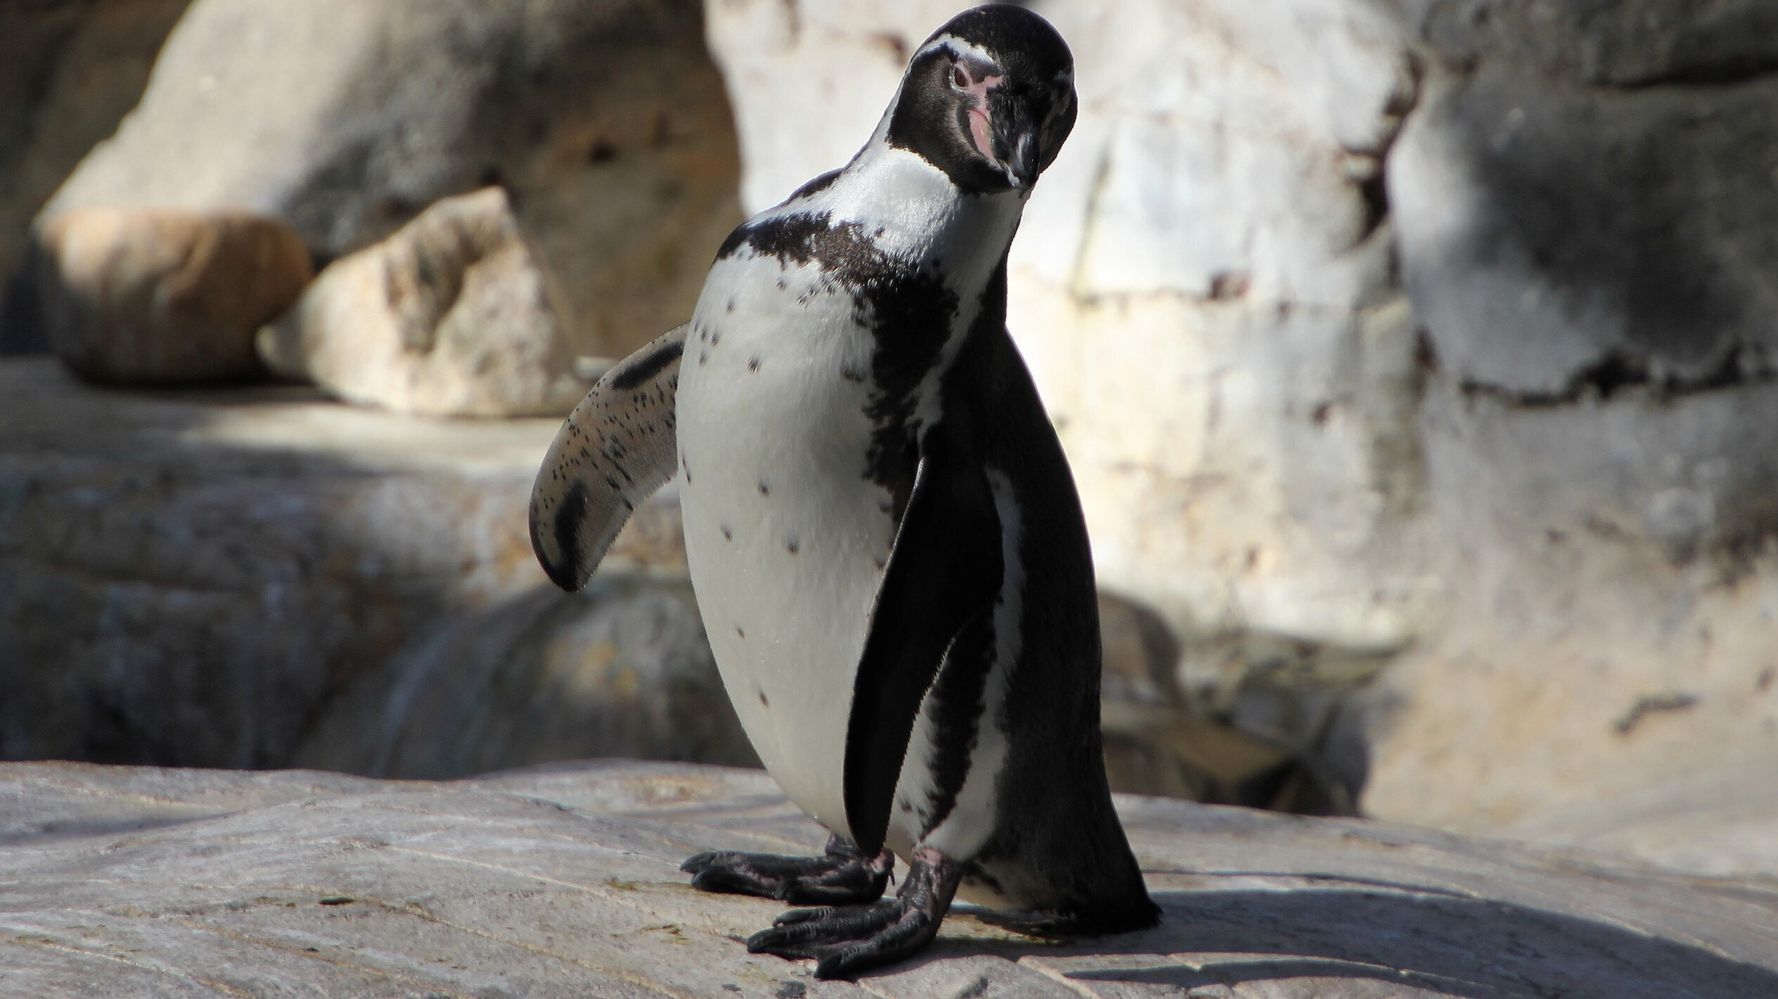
253 577
565 882
447 317
163 297
194 578
620 669
606 121
1638 43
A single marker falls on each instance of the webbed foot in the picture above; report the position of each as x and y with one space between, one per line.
848 939
841 876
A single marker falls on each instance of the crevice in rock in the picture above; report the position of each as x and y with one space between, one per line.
1728 73
1372 184
1616 373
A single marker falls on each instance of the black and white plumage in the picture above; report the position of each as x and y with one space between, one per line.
883 534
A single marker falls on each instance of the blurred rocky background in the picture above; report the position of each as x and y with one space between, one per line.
1415 358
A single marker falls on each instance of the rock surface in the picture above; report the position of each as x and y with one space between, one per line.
449 316
566 882
158 297
606 120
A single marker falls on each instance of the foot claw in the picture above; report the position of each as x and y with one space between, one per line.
844 940
841 876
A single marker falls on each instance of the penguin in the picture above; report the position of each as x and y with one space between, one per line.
883 534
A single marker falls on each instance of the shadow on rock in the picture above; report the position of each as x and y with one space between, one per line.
1440 944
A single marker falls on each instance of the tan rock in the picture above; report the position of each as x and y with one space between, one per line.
161 296
605 118
450 316
69 72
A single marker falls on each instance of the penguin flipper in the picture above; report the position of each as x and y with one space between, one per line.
616 448
944 570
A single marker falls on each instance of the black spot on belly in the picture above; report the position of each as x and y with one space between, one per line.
753 364
792 545
731 304
740 632
727 535
764 489
764 701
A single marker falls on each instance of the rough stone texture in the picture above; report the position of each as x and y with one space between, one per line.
1414 358
156 297
565 882
1623 43
605 119
1713 822
1580 201
196 578
69 71
447 317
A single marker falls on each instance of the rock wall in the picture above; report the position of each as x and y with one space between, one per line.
1413 359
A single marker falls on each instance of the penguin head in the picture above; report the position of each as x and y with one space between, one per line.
988 99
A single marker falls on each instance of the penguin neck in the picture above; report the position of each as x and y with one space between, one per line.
915 213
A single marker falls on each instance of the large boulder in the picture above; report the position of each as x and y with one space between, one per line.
201 578
606 120
447 317
128 881
620 669
69 72
164 296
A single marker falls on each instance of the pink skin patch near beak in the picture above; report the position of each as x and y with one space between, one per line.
980 125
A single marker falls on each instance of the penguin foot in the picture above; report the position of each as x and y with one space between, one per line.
841 876
844 941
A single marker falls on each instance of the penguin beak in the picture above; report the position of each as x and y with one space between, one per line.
1016 142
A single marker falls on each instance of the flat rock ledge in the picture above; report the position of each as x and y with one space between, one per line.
124 881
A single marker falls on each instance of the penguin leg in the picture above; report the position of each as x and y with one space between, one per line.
843 875
846 940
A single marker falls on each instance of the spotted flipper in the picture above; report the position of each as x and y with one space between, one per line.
616 448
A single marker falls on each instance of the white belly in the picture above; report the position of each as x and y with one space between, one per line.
785 534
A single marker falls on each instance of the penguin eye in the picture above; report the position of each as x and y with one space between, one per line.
959 76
